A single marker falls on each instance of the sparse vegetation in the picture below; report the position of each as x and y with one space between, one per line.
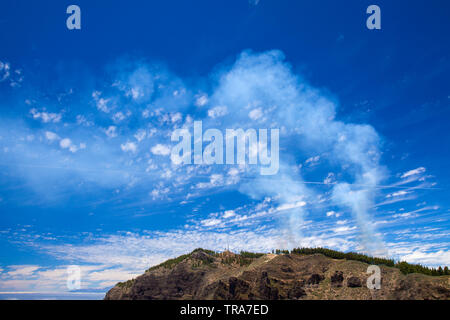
278 251
173 262
251 255
126 284
237 259
170 263
404 267
210 252
244 258
349 256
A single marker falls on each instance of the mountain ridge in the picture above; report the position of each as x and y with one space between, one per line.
205 274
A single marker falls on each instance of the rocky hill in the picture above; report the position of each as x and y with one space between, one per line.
204 274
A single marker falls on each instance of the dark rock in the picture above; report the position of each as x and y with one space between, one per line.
237 287
287 269
315 279
274 294
354 282
297 291
221 291
201 255
337 278
265 290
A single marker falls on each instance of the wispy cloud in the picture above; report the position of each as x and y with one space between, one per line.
413 172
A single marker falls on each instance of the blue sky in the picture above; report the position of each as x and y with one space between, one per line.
86 118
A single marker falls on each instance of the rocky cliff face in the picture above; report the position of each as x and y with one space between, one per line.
204 275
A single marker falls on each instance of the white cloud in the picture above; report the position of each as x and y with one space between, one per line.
415 213
255 114
101 103
24 270
129 147
333 213
159 193
313 160
233 172
330 178
43 279
289 206
51 136
135 93
175 117
81 120
201 100
343 230
111 132
161 150
211 222
118 116
397 194
65 143
46 116
413 172
215 180
422 257
4 70
228 214
140 135
217 112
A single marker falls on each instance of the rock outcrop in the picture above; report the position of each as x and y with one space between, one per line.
207 275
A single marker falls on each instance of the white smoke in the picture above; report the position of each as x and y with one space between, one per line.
308 123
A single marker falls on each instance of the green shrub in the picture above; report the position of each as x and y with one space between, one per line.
173 262
251 255
126 284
